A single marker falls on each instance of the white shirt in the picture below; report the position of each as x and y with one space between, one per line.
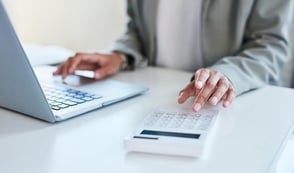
178 34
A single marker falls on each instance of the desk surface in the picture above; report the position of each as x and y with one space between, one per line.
248 134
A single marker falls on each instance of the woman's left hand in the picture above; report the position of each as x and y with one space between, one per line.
208 86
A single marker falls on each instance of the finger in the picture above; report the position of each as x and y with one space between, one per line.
206 92
86 61
75 62
58 70
224 96
103 72
222 88
86 66
65 71
187 92
229 99
200 77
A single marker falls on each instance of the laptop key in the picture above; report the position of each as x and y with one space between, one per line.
70 103
77 100
88 98
55 108
60 98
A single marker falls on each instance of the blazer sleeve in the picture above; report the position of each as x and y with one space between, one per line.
130 43
265 49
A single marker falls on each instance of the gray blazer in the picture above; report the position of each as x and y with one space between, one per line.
246 40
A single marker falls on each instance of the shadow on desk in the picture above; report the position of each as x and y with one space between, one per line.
33 144
14 123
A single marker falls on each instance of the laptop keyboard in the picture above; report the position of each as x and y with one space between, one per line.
61 98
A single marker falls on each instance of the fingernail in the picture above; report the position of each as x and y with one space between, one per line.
180 94
226 104
199 84
97 76
197 107
213 100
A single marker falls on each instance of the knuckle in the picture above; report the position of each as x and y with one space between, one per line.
210 84
202 98
218 73
224 83
77 54
218 94
206 72
198 72
70 59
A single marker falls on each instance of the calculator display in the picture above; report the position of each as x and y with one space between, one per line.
170 134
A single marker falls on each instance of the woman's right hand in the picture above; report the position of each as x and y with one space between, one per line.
103 65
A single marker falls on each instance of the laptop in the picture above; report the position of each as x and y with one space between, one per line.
23 91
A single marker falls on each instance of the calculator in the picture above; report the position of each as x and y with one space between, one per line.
173 131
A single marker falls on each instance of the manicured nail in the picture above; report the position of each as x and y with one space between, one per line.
180 94
199 84
226 104
213 100
197 107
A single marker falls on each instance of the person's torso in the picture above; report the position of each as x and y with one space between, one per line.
223 24
178 34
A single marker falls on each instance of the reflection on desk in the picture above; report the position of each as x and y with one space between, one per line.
249 133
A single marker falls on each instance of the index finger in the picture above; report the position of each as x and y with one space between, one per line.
91 59
58 70
187 92
76 60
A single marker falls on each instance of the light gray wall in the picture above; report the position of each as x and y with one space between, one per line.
80 25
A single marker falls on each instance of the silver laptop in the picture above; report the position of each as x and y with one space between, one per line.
49 100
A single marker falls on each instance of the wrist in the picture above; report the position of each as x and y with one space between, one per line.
127 61
123 60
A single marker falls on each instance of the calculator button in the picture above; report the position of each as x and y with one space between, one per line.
179 120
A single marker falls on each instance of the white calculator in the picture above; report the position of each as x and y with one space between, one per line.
173 131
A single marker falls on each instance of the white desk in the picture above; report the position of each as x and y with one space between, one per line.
249 134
